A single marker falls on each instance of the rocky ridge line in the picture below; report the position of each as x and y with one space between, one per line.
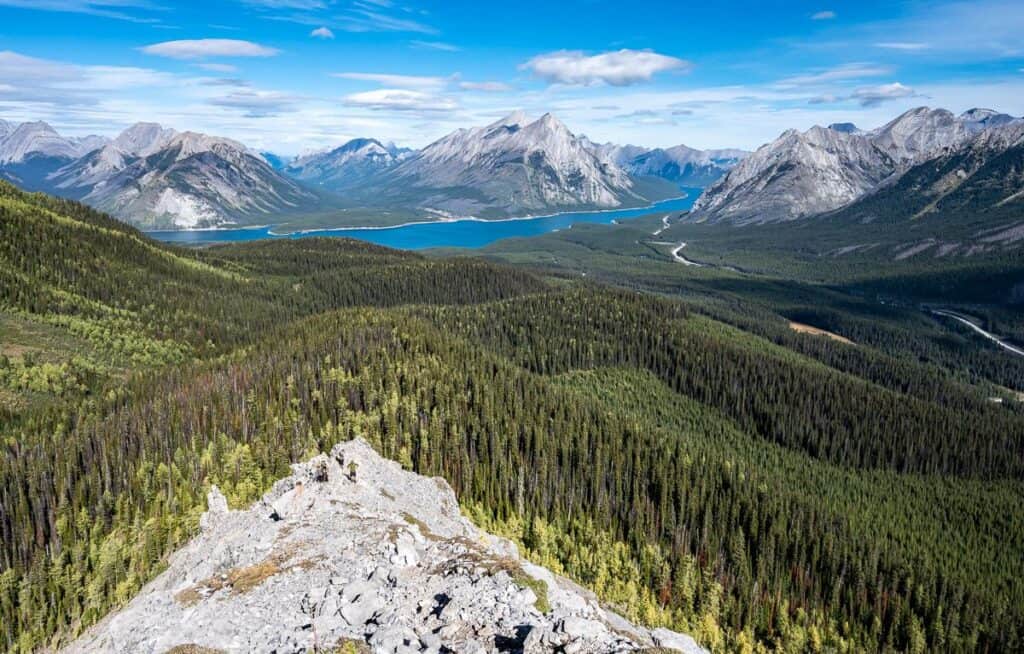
353 552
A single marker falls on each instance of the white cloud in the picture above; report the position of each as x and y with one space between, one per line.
489 87
619 68
827 98
824 15
202 48
365 20
397 81
322 33
217 68
18 67
105 8
967 30
902 45
836 74
874 95
400 100
60 83
256 103
435 45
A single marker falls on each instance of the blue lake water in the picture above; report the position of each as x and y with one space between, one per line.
453 233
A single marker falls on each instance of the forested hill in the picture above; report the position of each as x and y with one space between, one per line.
87 297
694 474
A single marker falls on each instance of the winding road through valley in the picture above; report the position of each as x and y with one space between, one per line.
684 260
992 337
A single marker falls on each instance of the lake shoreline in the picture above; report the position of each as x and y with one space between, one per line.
411 223
469 232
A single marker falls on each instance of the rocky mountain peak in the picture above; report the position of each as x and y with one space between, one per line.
143 139
917 132
517 118
348 164
38 138
352 549
978 119
364 144
822 169
191 143
549 121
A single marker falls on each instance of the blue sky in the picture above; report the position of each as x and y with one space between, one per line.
292 75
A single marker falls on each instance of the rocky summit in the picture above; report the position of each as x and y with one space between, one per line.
351 553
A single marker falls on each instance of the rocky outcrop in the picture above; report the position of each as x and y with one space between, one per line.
352 552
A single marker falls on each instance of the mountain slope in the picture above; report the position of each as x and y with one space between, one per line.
188 180
796 175
30 152
379 557
620 155
40 140
806 173
684 165
349 164
680 164
154 177
571 417
966 200
514 166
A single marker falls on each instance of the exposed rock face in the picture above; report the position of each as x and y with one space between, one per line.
798 174
514 166
151 176
29 152
194 180
38 139
969 196
806 173
349 164
681 164
385 561
685 165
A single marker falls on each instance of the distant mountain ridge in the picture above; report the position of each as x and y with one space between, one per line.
348 164
514 166
802 174
194 180
685 165
680 164
151 176
157 178
964 200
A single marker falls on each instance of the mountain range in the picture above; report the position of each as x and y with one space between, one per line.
157 178
681 164
513 166
344 166
811 173
153 177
